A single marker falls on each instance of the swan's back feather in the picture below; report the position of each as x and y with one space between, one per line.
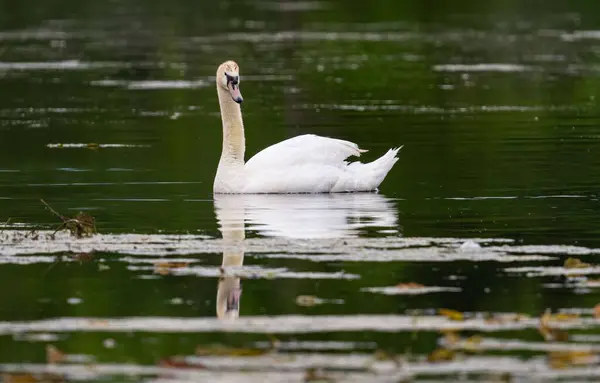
307 149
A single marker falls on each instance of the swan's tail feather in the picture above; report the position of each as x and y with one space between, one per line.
367 177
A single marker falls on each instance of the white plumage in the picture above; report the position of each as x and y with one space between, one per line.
302 164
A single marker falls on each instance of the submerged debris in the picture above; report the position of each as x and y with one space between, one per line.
82 225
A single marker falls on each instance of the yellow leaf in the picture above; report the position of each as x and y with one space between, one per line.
548 332
472 343
597 311
452 314
308 300
410 285
451 338
54 355
565 359
441 355
575 263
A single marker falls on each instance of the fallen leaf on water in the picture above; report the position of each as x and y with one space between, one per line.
452 314
441 355
54 355
501 318
308 300
83 257
99 322
382 355
314 375
565 359
549 333
575 263
450 338
179 362
220 350
410 285
18 378
472 343
164 268
564 317
597 311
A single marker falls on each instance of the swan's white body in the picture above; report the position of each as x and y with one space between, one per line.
303 164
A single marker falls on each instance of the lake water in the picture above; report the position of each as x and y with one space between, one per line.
456 270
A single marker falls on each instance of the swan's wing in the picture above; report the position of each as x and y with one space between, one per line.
304 150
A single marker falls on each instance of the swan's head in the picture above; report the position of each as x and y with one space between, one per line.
228 78
229 294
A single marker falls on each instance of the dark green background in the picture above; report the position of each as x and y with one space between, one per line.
361 71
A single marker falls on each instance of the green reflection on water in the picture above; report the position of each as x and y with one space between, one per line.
381 74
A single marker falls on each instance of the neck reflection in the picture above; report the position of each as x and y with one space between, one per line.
302 216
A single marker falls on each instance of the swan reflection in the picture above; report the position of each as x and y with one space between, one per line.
292 216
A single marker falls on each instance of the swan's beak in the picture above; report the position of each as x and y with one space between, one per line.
234 89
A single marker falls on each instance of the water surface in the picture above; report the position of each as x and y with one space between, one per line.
110 109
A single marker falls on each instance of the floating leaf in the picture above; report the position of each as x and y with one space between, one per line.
502 318
597 311
451 338
565 359
564 317
441 355
165 268
308 300
99 322
314 375
549 333
220 350
19 378
179 362
54 355
472 343
452 314
83 257
410 285
575 263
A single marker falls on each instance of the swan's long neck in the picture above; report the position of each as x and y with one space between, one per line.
234 143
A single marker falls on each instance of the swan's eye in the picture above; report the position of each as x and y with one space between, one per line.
232 79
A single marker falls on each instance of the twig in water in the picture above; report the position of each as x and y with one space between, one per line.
83 225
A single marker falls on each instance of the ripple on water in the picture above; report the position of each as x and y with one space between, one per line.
286 324
93 146
395 290
488 67
384 105
17 242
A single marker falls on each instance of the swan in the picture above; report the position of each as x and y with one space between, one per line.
302 164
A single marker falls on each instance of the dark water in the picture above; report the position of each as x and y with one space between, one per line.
495 104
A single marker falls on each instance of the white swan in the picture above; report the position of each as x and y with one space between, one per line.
302 164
